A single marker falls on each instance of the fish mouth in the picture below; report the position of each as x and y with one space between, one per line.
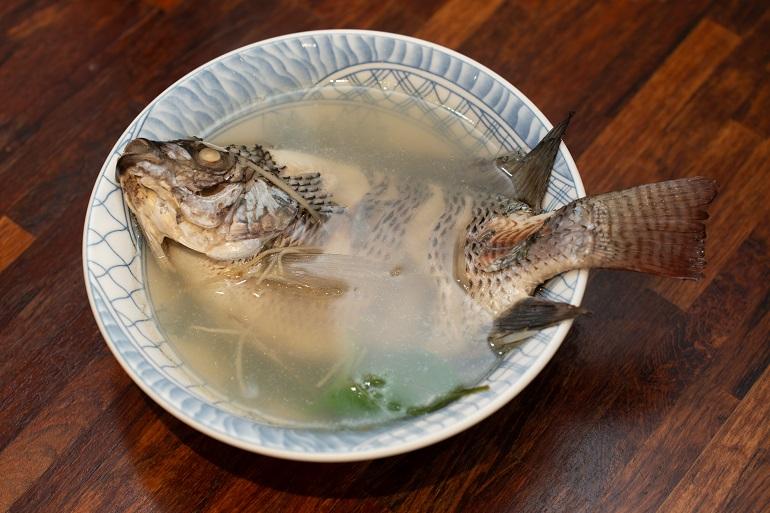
138 150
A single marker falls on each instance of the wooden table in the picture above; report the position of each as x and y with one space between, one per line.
659 402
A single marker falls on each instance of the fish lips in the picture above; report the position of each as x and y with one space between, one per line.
136 151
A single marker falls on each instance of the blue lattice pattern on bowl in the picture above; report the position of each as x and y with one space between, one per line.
252 79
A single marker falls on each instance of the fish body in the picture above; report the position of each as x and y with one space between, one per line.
232 206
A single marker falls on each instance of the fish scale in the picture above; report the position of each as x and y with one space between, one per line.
390 224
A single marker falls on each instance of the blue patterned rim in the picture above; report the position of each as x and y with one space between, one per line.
218 94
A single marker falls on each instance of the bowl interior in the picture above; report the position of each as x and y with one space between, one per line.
264 76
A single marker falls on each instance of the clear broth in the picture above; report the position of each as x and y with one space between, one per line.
386 346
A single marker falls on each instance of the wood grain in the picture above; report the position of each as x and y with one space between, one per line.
658 402
617 149
15 241
45 437
717 470
456 21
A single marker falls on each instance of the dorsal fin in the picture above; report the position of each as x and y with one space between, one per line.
529 173
310 187
260 155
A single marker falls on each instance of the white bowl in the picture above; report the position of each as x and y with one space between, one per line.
237 84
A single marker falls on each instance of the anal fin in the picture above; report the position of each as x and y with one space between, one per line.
525 318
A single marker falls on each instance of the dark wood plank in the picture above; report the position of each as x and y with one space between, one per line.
709 398
456 21
617 155
50 62
657 402
47 436
581 56
738 16
707 485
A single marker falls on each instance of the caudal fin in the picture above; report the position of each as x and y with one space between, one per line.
657 228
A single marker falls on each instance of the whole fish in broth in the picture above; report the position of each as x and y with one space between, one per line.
258 218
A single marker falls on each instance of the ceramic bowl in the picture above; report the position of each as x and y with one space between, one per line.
217 95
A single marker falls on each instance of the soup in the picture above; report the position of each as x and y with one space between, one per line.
363 329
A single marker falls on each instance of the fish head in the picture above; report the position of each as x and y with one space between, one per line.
209 199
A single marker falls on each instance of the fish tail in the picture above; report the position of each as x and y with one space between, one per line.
656 228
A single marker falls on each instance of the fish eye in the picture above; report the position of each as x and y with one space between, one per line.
209 155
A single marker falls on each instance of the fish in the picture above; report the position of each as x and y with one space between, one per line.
243 210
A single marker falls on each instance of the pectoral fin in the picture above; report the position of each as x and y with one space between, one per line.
336 267
503 237
310 269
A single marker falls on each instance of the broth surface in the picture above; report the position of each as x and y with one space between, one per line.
362 338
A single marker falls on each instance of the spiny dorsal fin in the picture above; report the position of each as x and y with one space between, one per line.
259 155
310 187
530 173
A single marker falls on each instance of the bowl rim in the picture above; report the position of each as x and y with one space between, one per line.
393 449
